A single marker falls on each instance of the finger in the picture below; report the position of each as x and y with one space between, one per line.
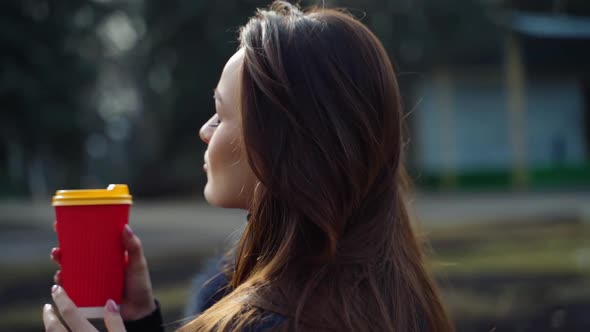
132 243
57 277
55 226
55 255
69 312
51 321
112 318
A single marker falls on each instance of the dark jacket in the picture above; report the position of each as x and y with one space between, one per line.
208 287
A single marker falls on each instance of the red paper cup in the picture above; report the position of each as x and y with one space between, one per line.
89 230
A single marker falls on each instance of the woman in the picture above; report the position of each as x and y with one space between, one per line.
307 137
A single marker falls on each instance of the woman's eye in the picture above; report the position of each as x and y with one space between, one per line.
216 123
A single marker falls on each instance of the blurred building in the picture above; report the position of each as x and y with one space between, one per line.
519 117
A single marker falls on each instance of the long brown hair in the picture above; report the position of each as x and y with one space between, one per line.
329 243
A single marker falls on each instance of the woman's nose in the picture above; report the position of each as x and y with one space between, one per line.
206 131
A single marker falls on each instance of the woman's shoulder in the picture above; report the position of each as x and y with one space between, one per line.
208 286
211 284
266 321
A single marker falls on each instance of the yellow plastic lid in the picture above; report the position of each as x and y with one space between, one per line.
114 194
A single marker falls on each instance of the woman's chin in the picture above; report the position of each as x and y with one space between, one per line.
209 195
214 198
218 199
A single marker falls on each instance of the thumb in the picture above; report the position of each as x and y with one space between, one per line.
112 318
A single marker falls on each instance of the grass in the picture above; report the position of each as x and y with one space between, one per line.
530 248
566 176
506 271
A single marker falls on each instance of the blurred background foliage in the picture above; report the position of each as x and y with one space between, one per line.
109 91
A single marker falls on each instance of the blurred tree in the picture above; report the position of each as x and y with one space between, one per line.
186 44
43 78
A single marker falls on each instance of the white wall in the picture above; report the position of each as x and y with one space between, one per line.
480 128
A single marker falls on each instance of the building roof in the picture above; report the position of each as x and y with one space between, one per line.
548 26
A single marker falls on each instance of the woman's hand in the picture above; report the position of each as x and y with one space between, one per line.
74 319
138 300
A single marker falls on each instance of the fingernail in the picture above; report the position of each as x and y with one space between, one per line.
46 307
129 230
112 306
54 289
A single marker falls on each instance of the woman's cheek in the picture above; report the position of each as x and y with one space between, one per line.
221 156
